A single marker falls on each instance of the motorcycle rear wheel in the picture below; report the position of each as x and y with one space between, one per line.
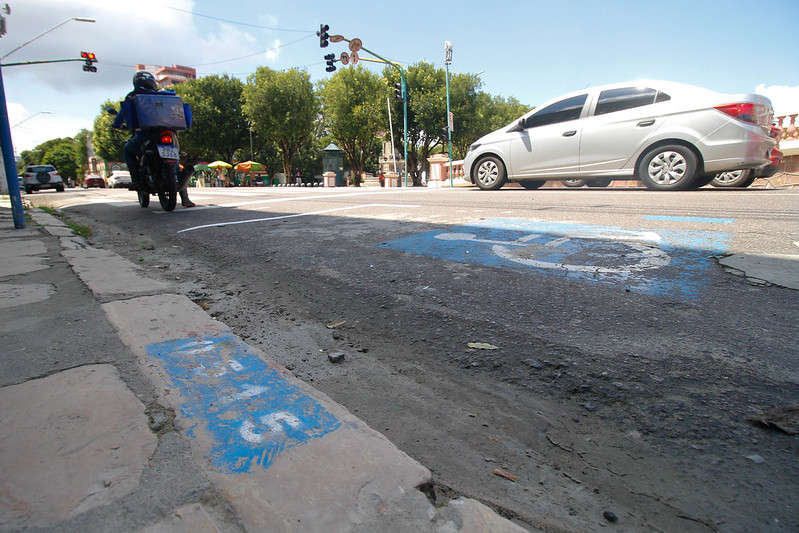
168 195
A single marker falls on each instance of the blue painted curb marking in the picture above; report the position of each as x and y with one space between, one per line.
249 410
649 261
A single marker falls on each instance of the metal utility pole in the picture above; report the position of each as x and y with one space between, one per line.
447 61
5 130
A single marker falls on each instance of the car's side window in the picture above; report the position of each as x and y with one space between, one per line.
614 100
565 110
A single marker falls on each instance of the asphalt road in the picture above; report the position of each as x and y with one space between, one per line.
586 342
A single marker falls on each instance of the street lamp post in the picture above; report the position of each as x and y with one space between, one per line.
5 137
30 117
447 61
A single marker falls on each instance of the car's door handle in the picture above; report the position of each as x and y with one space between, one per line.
645 123
571 133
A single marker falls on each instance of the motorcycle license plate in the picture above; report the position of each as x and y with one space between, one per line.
167 152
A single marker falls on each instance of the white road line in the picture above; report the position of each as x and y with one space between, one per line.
321 212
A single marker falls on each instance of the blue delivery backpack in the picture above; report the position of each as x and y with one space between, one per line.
156 110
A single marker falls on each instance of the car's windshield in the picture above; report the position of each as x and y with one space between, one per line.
41 168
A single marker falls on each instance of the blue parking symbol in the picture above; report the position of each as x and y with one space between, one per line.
249 410
648 261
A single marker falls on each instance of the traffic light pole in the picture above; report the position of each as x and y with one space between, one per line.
40 62
337 38
8 161
8 149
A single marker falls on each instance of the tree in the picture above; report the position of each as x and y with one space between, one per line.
107 141
62 157
82 140
219 127
490 113
352 105
282 108
427 112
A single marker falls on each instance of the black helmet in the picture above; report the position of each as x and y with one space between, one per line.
145 80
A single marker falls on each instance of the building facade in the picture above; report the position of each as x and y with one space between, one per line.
171 75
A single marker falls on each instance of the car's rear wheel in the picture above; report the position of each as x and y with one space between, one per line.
599 182
734 178
574 182
668 168
489 174
531 185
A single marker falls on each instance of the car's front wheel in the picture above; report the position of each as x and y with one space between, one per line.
574 182
734 178
668 168
489 174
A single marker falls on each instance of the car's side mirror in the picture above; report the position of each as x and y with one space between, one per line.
519 126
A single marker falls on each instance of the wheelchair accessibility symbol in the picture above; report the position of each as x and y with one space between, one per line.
650 261
632 251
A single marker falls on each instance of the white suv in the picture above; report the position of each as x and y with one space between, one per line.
38 177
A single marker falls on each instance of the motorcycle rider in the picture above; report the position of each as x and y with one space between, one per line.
143 83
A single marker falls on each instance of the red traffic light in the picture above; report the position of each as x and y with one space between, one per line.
89 59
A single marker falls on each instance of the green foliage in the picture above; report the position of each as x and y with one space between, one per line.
354 112
427 113
82 141
62 157
278 119
282 108
107 141
219 127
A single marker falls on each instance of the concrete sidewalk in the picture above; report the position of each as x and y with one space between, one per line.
125 407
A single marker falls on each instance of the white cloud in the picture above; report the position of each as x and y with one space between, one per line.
784 99
273 53
126 33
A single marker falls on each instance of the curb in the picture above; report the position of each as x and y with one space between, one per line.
283 454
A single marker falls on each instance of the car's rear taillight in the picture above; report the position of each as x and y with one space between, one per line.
744 112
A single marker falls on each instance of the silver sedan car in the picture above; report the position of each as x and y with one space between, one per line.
670 136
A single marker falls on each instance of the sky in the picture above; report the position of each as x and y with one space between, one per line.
531 50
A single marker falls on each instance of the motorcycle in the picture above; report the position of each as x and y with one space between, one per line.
159 157
159 167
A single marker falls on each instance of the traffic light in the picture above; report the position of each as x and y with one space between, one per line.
89 58
331 59
398 92
323 35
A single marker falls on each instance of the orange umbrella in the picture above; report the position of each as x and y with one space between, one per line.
250 166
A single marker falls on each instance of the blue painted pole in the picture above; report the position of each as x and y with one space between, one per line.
8 160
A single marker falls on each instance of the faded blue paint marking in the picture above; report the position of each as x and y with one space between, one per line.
649 261
691 219
251 413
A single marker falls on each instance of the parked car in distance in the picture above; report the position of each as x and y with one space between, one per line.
93 180
38 177
119 179
744 178
670 136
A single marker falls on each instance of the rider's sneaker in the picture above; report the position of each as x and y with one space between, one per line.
135 186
